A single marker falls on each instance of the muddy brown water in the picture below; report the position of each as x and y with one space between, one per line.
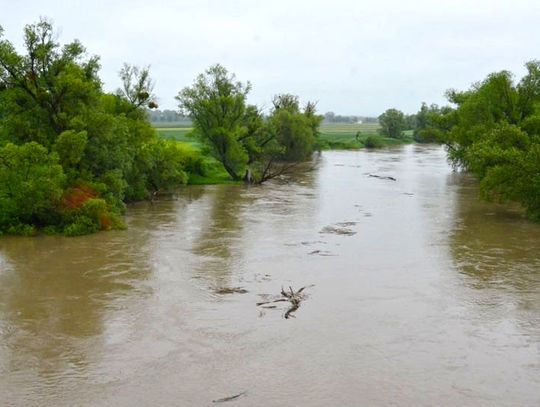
421 296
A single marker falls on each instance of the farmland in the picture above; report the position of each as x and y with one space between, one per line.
340 136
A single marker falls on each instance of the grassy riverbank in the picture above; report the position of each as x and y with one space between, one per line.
333 136
336 136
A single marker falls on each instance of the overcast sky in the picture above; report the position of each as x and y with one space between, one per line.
353 57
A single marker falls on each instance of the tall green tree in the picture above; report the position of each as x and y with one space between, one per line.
495 134
249 146
294 129
431 122
52 104
47 88
216 103
392 123
31 186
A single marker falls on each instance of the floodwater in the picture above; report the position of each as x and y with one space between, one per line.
417 294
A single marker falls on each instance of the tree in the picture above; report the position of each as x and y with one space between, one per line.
392 123
431 122
216 103
137 86
44 90
494 133
248 146
53 109
31 185
294 129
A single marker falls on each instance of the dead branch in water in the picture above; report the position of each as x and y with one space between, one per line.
382 177
231 290
294 297
230 398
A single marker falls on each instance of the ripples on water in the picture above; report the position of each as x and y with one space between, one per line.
433 298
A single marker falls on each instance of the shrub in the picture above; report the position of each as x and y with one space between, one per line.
373 142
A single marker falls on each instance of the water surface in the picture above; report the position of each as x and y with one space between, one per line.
418 295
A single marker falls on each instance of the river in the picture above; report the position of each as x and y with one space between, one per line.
417 294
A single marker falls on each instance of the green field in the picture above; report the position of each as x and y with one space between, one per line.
214 172
339 136
177 133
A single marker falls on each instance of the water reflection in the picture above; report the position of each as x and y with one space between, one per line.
496 250
230 218
494 244
219 242
55 294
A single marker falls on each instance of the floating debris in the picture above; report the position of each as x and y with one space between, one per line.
230 398
231 290
321 253
291 296
381 177
308 243
346 224
337 230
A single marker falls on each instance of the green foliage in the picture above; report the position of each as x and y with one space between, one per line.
293 131
89 218
494 132
137 86
70 146
216 103
238 136
31 185
166 162
374 142
66 132
431 122
45 89
392 123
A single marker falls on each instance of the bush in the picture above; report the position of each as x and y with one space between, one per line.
92 215
31 183
373 142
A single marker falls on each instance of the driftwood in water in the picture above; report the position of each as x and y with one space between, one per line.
382 177
231 290
230 398
294 297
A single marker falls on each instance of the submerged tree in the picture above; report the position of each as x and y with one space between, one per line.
248 146
217 104
495 134
431 122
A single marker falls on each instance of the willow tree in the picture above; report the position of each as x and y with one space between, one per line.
495 134
99 146
216 103
250 146
392 123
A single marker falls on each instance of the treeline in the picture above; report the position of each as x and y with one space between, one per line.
493 131
426 126
72 155
167 116
249 145
331 117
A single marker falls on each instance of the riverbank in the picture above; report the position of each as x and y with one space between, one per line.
333 136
